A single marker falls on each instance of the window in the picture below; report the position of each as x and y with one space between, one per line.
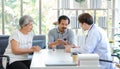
11 15
49 14
0 16
31 7
46 12
41 10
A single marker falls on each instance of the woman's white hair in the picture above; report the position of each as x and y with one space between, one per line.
24 20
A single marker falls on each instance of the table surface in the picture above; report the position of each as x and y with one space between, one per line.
45 56
48 56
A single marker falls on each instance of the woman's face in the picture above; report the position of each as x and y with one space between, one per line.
28 27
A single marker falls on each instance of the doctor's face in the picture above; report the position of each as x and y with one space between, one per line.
83 26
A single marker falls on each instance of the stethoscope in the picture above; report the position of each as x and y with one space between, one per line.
88 32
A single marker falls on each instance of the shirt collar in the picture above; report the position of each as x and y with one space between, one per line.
60 32
87 31
91 27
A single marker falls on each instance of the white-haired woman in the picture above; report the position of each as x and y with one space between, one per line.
20 44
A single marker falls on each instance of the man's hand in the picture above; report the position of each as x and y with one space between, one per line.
59 41
62 41
68 48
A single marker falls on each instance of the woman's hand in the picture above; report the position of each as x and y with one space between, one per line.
36 48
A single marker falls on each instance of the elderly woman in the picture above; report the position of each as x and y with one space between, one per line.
20 44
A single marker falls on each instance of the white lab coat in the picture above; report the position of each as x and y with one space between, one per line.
96 42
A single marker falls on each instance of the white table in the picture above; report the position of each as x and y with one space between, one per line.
40 59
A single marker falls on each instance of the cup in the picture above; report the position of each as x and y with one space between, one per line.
75 57
54 48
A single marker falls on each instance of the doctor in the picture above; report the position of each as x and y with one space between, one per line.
95 41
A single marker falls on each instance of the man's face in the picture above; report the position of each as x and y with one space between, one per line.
63 25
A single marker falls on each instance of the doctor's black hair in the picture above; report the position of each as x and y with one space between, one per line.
85 18
63 17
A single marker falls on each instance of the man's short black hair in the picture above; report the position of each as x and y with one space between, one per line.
63 17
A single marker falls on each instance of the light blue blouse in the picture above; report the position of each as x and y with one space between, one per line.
96 42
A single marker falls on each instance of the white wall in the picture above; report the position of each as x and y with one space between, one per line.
117 21
117 12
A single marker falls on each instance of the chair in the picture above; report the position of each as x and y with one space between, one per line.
3 46
116 53
7 61
39 40
117 64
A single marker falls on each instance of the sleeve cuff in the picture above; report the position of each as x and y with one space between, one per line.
75 50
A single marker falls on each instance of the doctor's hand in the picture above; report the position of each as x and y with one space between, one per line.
36 48
74 46
68 47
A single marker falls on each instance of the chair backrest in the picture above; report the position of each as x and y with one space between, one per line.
3 45
40 40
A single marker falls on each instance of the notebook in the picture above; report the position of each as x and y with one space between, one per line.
60 63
